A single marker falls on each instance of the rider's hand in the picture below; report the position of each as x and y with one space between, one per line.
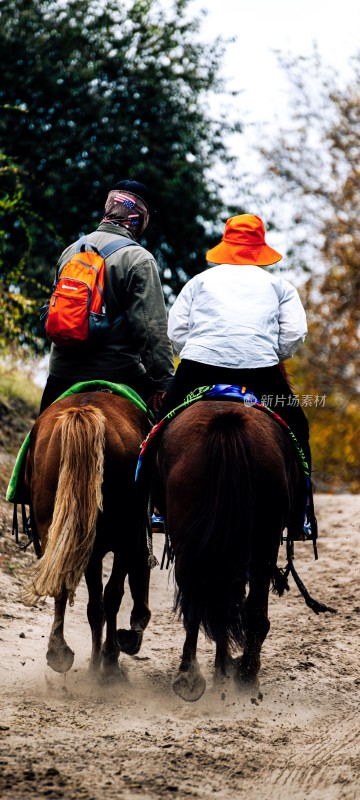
155 402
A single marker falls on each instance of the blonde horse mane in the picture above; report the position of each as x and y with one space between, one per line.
78 500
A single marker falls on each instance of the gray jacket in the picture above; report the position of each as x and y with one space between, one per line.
137 342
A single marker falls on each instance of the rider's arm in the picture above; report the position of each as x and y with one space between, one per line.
146 315
292 322
179 318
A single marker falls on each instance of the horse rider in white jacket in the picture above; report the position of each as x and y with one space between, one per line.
235 323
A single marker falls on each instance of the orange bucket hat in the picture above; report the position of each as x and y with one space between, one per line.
243 242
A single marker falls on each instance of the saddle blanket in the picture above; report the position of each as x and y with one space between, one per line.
84 386
218 391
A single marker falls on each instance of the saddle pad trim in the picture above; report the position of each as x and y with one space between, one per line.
97 385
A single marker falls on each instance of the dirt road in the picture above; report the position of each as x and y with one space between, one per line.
298 737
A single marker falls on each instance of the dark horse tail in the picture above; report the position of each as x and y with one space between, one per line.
212 545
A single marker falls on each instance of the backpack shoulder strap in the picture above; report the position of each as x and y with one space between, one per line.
77 247
112 247
84 244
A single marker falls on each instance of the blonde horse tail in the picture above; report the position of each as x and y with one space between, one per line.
78 500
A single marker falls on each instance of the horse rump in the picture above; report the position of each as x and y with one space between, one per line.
212 538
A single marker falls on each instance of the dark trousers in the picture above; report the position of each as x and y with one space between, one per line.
56 386
267 383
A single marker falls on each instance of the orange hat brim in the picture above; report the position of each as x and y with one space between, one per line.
262 255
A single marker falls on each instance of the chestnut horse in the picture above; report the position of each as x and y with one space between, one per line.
228 482
80 473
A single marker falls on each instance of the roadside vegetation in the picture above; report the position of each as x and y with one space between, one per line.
93 93
19 404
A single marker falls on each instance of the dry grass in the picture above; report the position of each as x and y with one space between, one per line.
19 385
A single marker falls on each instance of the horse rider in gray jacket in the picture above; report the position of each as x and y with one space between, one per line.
136 350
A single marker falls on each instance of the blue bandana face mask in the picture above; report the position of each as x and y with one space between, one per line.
128 210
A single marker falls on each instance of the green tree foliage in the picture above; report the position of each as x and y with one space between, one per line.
17 287
315 166
92 93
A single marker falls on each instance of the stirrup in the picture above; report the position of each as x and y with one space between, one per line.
157 522
310 527
307 530
309 533
304 535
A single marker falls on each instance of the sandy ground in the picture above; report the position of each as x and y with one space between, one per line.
299 737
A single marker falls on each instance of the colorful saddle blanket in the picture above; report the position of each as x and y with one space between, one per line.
84 386
218 391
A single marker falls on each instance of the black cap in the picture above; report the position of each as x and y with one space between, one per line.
137 188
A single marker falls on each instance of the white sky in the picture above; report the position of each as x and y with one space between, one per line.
251 66
262 26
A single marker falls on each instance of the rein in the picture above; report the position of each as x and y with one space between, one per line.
316 607
29 529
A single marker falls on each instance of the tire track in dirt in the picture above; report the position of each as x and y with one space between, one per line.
325 762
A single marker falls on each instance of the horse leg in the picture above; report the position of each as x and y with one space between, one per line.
113 594
139 579
95 608
257 625
189 683
223 659
224 662
59 656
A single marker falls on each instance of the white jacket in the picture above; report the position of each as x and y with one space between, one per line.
237 316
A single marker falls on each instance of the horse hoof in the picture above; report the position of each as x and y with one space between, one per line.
247 682
60 659
129 641
189 686
94 667
140 620
245 677
113 674
223 673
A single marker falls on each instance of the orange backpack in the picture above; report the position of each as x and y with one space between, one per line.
76 310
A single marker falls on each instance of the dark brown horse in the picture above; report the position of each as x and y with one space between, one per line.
228 479
80 473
